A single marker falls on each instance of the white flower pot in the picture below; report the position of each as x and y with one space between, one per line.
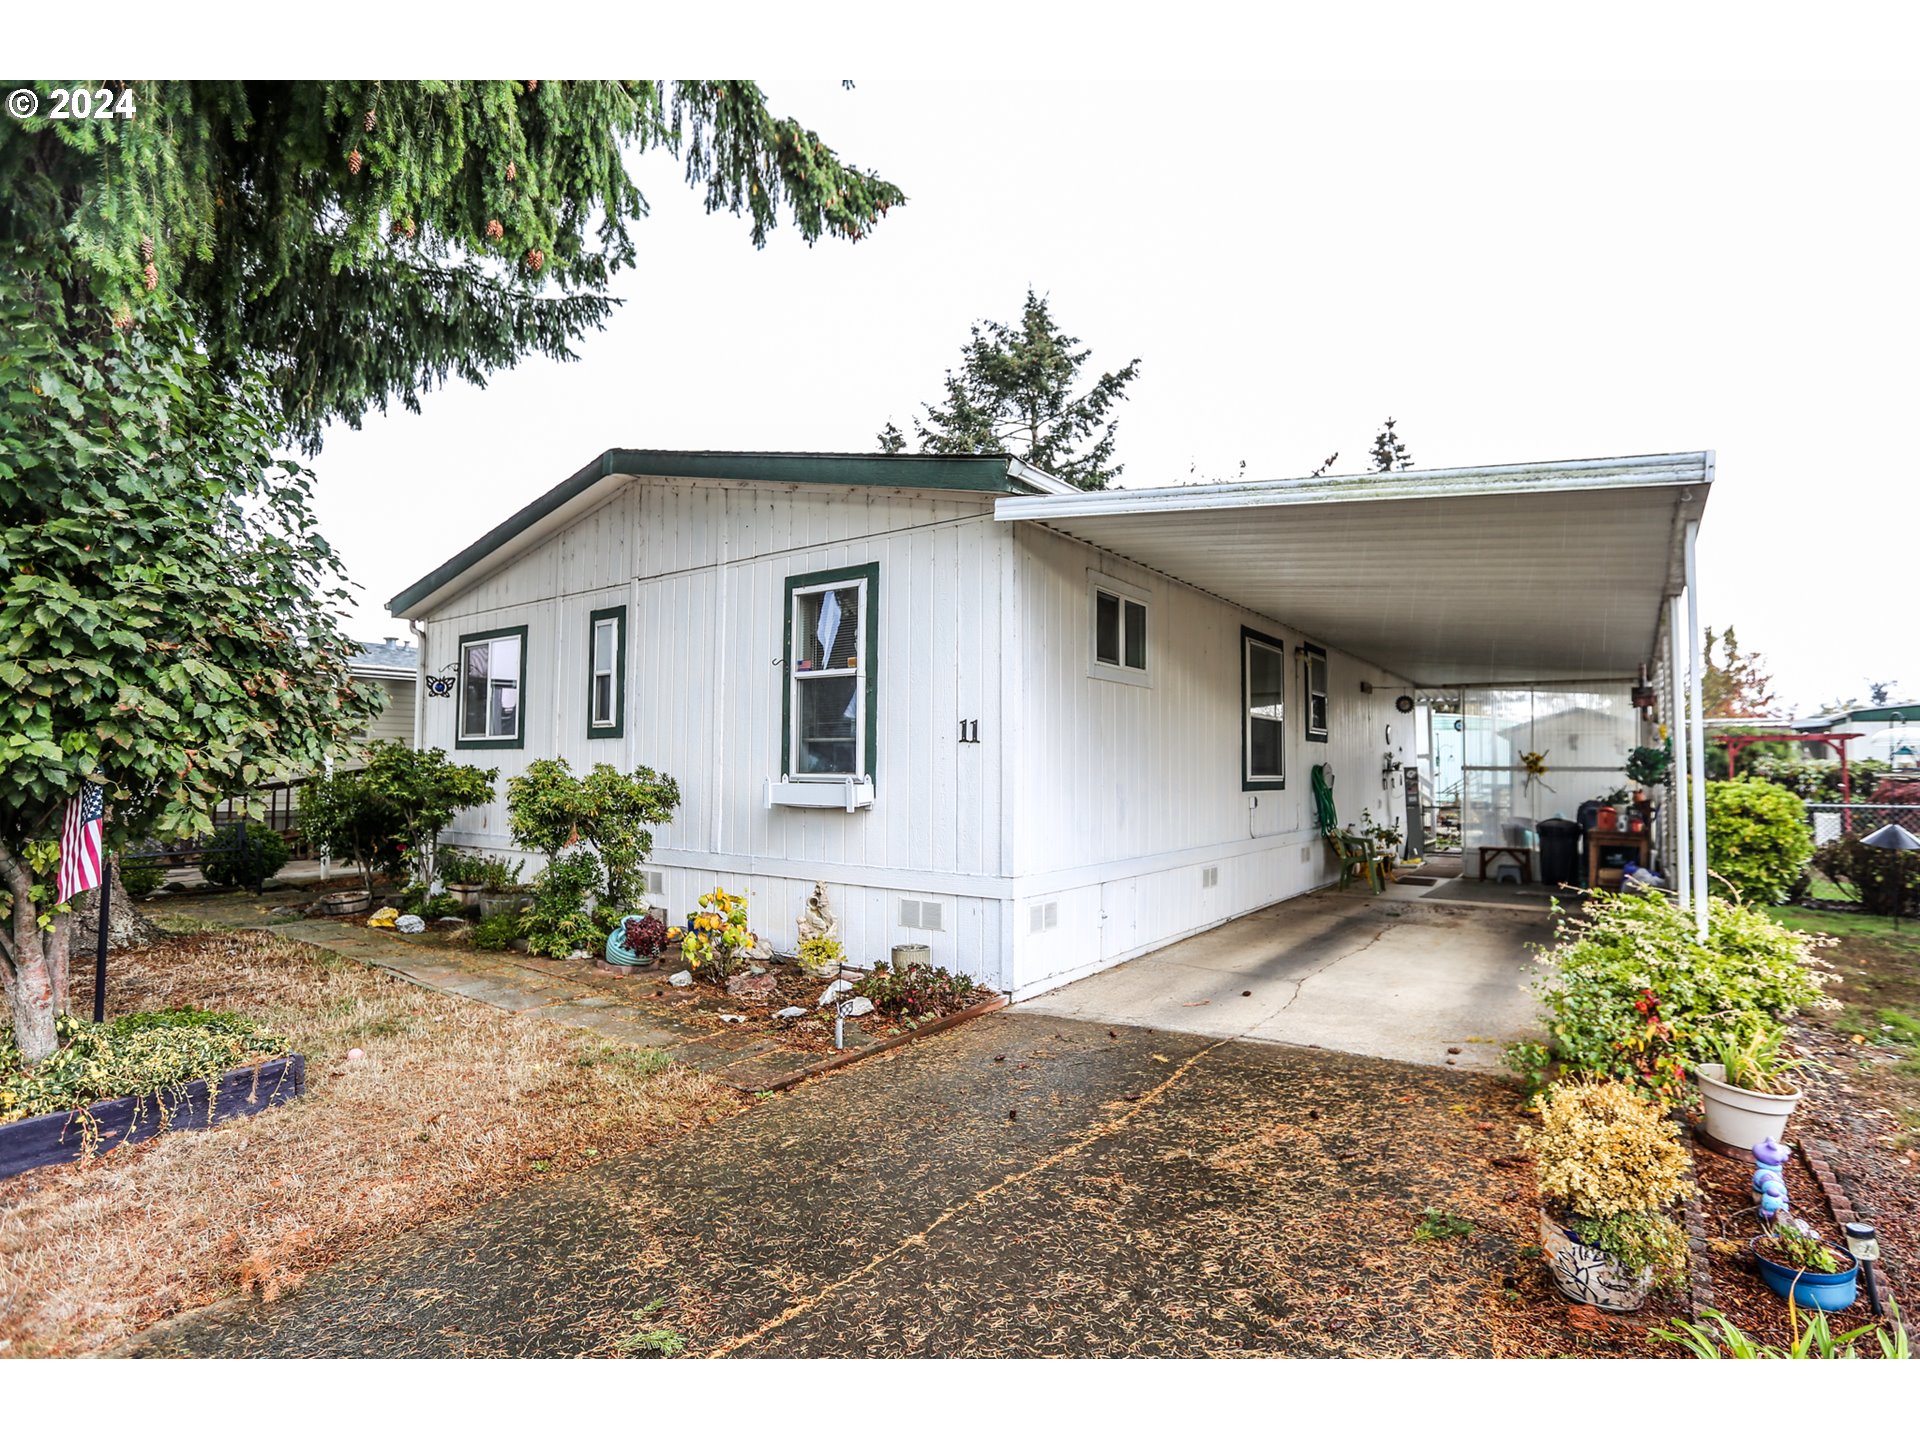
1588 1275
1741 1118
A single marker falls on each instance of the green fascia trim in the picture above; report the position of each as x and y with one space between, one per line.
618 614
1313 736
518 742
977 474
870 574
1246 759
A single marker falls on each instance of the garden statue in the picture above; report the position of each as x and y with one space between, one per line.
819 930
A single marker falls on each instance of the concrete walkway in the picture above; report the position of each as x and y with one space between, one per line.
1021 1185
1403 980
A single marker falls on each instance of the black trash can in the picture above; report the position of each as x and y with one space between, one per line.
1559 852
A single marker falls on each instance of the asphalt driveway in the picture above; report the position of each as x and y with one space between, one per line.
1022 1185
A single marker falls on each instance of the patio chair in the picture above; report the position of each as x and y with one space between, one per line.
1355 853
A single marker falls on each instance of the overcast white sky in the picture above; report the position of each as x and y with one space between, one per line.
1524 243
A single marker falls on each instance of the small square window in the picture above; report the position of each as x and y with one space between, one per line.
1119 631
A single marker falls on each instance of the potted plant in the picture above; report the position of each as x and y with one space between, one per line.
463 874
636 942
1803 1269
1609 1165
1748 1092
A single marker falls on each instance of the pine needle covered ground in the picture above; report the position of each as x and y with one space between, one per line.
454 1102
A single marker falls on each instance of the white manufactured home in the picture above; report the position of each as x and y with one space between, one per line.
1039 730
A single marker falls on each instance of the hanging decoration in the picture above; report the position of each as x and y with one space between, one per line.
1534 762
440 686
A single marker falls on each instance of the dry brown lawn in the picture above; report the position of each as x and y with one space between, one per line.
454 1102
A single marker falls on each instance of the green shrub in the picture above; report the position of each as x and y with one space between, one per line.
1634 995
386 818
497 931
1887 881
140 876
561 920
249 867
915 990
549 808
465 867
1757 839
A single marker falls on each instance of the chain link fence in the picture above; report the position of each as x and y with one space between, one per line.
1830 822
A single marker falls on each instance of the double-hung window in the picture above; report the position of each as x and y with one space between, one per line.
1119 630
493 687
1263 710
829 709
1316 712
606 673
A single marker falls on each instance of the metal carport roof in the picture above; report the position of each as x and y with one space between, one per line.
1495 574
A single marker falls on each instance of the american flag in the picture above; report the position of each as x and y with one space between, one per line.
80 842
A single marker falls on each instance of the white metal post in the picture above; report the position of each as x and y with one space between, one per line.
1696 736
1678 816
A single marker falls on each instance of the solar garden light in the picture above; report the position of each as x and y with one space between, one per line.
1895 837
1864 1245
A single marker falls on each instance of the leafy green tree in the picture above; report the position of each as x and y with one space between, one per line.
167 607
1018 389
386 818
552 810
362 240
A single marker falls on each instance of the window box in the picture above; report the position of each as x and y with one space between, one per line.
845 794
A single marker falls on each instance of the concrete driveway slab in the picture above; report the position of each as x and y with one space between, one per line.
1414 981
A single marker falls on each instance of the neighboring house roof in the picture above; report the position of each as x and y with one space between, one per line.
386 657
1882 713
994 474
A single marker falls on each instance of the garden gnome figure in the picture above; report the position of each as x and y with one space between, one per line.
818 922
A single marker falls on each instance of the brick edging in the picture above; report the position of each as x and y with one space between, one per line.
1699 1273
1841 1204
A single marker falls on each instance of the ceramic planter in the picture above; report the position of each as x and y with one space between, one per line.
1741 1118
1809 1289
1588 1275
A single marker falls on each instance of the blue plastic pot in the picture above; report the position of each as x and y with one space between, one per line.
1810 1289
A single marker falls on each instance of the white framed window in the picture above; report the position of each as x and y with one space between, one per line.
830 704
493 683
1316 711
606 673
1118 613
1263 707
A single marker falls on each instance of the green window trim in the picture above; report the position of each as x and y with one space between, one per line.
870 669
618 726
1247 779
517 741
1318 734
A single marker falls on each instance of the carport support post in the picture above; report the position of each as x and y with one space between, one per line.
1697 748
1678 815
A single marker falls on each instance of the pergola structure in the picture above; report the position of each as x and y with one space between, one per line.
1738 740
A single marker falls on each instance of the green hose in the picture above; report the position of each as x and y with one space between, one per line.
1323 800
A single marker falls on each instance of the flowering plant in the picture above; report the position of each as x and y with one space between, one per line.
1791 1241
717 939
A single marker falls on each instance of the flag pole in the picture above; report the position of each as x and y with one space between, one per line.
100 946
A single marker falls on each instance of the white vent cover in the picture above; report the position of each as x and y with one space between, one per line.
1043 916
922 915
1210 877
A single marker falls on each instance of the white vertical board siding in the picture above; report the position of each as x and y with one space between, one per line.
1129 793
702 567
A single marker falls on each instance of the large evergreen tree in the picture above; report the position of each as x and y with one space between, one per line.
360 241
1018 390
